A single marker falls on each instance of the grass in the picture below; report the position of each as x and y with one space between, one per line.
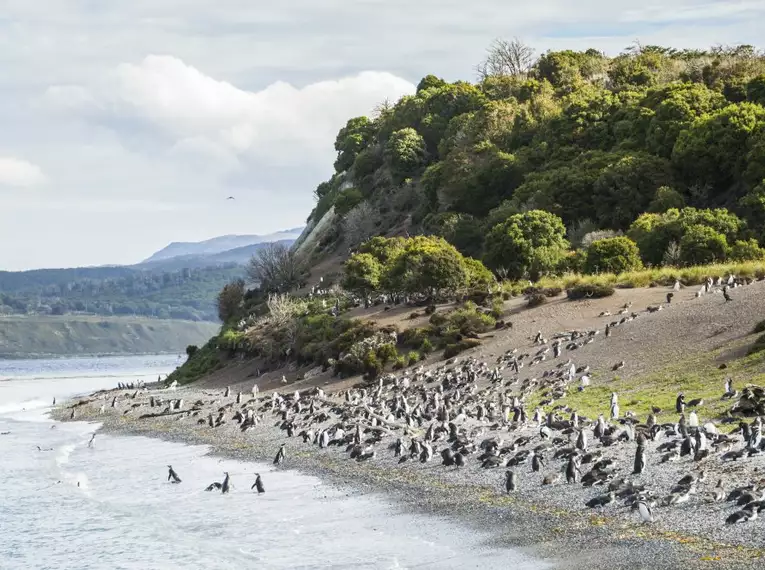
663 275
697 377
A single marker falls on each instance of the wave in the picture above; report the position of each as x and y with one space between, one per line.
80 375
33 404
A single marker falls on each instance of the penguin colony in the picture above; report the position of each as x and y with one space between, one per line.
471 415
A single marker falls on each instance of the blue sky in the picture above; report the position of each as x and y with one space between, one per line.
126 123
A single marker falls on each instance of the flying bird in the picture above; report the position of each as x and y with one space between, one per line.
230 198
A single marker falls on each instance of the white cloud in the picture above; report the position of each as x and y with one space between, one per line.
16 172
197 112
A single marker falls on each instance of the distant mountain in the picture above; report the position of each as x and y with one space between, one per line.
219 245
239 256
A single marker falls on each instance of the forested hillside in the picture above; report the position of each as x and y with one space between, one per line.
550 153
188 294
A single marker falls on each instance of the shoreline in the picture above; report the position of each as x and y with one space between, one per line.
526 522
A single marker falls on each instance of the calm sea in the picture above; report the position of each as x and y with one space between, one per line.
110 506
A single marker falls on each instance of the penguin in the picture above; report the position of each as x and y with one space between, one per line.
54 401
511 481
645 511
581 441
572 469
172 476
92 437
608 330
448 457
459 460
280 455
680 403
228 392
225 487
212 486
639 460
258 484
537 461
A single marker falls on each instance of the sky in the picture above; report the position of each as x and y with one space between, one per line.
127 123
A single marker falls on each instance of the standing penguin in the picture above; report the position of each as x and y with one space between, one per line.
581 441
279 455
258 484
608 330
511 481
225 487
639 459
645 511
172 476
572 469
228 392
537 461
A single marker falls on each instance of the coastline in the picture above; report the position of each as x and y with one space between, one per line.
554 531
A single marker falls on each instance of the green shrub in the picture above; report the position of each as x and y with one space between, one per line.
497 307
437 319
536 299
413 338
747 251
413 357
426 347
613 255
400 363
372 365
191 349
589 290
469 320
454 349
386 353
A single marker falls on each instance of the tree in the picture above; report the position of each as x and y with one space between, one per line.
405 153
531 243
613 255
748 250
714 149
427 265
351 139
701 245
359 223
230 300
362 272
665 199
506 57
625 188
755 90
277 268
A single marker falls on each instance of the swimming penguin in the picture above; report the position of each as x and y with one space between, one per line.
224 488
511 481
279 455
258 484
645 511
639 460
172 476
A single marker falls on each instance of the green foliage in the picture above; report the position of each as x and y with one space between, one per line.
625 188
351 140
589 290
230 300
713 151
203 361
531 243
387 353
413 357
362 273
755 90
613 255
453 349
231 341
405 153
426 347
347 200
191 349
701 245
748 250
665 199
759 327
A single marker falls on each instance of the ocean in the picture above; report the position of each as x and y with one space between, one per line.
110 506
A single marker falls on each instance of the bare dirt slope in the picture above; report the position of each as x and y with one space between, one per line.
686 326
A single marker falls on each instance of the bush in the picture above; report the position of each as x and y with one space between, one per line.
430 310
589 290
702 245
191 350
747 251
468 320
613 255
759 327
536 299
497 307
454 349
400 363
386 353
372 365
413 357
426 347
413 338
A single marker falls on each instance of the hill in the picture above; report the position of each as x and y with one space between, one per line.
239 256
80 335
217 245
